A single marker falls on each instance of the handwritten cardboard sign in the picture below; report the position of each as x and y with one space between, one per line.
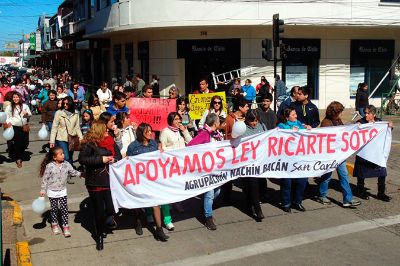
200 102
153 111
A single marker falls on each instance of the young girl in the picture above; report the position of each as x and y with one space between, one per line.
87 120
128 131
289 121
55 172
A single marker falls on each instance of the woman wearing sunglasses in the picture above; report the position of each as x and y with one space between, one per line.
216 107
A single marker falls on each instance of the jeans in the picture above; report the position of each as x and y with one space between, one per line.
68 155
361 111
103 207
286 190
49 125
208 201
344 183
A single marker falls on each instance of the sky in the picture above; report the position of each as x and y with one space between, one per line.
17 16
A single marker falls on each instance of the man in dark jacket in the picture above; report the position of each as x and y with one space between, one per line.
288 102
307 112
266 114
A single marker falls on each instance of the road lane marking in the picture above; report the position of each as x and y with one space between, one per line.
285 242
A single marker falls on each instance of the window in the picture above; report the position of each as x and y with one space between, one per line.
369 62
117 60
129 57
105 3
90 8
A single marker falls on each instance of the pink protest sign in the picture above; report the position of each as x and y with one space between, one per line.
153 111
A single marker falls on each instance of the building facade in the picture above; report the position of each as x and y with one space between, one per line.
331 46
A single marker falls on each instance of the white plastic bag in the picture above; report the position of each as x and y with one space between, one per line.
3 117
43 133
8 134
238 129
39 205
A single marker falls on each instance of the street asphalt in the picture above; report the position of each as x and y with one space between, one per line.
323 235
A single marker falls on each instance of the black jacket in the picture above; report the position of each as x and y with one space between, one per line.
97 172
307 114
361 99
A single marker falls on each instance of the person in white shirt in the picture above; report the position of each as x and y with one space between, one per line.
216 106
104 94
17 117
127 129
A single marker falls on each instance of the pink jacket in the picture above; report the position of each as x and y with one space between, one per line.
3 92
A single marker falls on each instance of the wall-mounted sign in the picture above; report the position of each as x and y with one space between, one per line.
302 48
200 48
372 49
59 43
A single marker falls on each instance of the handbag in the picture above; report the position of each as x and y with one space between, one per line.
73 141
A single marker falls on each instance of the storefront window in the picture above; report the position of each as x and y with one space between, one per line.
117 60
129 57
369 62
301 66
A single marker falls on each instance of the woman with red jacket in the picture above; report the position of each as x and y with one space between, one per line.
99 152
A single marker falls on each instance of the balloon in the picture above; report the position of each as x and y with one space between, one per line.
238 129
34 102
43 134
8 134
13 87
3 117
39 205
32 87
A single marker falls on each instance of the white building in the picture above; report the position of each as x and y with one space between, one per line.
334 45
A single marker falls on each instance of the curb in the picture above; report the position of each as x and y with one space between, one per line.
23 254
17 214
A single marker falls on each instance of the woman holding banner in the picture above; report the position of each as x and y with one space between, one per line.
332 118
252 184
99 151
175 136
365 169
289 121
143 144
209 134
216 107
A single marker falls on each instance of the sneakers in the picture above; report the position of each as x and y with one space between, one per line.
67 233
170 227
324 200
55 228
351 204
210 224
383 197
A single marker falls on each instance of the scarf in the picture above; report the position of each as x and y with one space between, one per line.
215 134
174 129
108 144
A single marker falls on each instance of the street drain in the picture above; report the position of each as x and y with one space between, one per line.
36 240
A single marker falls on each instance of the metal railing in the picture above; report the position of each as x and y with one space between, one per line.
389 104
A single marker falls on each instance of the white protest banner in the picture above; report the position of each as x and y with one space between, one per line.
156 178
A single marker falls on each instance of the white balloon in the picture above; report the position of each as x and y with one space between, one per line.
8 134
3 117
13 87
34 102
238 129
32 87
43 134
39 205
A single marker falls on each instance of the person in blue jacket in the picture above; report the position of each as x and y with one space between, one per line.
289 121
77 93
248 91
118 104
